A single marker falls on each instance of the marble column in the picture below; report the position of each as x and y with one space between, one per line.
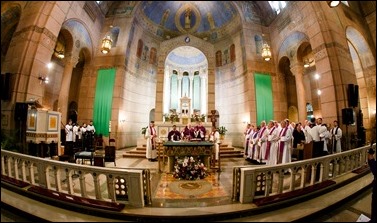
70 63
297 70
179 93
203 95
167 97
191 93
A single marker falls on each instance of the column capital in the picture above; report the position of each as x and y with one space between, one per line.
297 68
71 59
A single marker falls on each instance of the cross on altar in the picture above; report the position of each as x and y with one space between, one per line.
213 116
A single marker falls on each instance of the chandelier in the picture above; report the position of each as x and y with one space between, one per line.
59 48
106 44
59 54
308 63
266 52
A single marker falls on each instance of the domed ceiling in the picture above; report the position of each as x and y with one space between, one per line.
173 18
186 56
209 20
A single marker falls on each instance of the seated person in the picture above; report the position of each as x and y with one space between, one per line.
174 135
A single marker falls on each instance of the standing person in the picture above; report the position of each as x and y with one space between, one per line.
262 141
68 146
336 136
324 136
188 132
151 135
214 137
84 136
272 144
174 135
79 137
90 131
253 153
201 131
284 145
76 129
307 129
372 166
317 143
247 134
298 138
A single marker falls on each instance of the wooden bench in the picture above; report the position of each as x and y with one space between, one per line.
84 155
14 182
88 202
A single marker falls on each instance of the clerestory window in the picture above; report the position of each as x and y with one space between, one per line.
277 6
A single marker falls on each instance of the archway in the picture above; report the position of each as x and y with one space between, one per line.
185 79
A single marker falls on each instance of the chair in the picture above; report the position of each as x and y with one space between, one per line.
110 152
99 143
111 141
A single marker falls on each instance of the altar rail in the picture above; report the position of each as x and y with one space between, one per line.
252 184
129 186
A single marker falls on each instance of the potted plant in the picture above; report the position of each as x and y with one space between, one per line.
222 130
143 130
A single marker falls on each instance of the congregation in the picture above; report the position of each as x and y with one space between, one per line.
276 143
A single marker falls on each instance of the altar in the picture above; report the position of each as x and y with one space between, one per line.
203 149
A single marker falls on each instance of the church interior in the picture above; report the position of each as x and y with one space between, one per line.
123 64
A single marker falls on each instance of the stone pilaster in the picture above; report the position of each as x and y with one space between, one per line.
297 70
70 63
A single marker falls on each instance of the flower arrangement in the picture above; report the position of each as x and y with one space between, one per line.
173 117
198 117
189 169
222 130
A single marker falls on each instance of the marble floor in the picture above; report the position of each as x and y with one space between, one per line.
171 196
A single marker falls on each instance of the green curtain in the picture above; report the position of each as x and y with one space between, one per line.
103 100
263 92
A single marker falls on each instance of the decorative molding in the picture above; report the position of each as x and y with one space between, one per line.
37 29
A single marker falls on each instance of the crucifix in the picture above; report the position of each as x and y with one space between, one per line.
213 117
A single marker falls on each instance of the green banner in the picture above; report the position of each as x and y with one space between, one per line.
103 100
263 95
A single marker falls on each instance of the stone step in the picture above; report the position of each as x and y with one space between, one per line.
139 155
231 152
221 145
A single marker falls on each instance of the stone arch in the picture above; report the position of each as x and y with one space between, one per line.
365 71
289 46
82 37
10 17
208 50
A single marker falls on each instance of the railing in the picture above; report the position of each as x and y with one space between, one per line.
130 186
250 183
133 186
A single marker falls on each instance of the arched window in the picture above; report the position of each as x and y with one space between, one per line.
226 56
277 6
114 36
174 98
232 53
152 57
258 44
218 58
196 92
139 48
185 85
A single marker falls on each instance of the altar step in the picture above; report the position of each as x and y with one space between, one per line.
225 152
